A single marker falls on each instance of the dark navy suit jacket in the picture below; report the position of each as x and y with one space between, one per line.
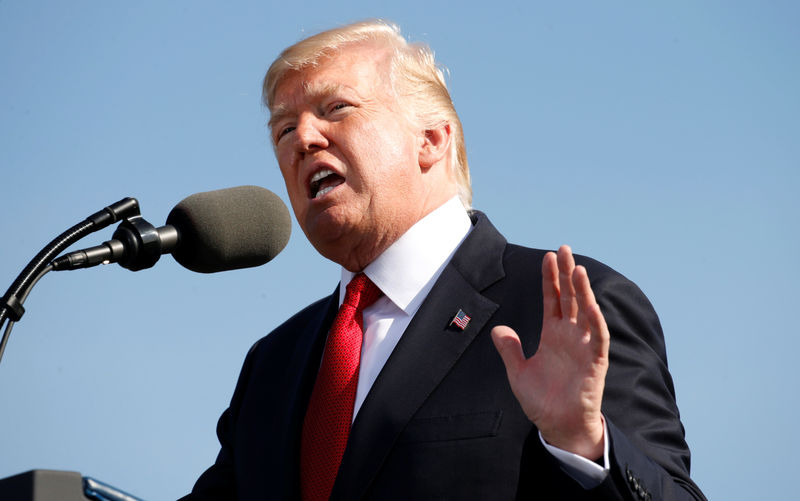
440 421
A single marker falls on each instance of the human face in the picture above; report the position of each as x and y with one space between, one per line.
348 155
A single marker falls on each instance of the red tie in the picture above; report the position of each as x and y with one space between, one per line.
330 410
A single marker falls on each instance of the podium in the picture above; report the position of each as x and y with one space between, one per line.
54 485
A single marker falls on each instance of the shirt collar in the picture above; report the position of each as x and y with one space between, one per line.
406 271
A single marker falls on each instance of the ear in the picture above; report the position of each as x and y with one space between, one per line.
435 145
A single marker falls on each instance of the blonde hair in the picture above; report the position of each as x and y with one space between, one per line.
417 80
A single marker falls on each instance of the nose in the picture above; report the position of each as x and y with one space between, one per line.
310 133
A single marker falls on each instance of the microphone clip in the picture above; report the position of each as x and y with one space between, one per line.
139 244
136 245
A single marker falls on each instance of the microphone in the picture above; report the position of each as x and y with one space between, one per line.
206 232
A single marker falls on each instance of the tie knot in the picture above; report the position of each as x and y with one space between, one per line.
361 292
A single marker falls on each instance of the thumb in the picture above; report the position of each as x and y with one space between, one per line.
507 343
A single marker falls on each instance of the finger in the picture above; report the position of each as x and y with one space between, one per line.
566 266
589 315
583 294
507 343
550 292
596 325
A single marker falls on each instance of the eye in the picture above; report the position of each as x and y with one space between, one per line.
283 132
338 106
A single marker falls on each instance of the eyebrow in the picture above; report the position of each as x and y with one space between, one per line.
277 113
314 90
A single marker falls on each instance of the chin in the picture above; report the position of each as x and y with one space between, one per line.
325 237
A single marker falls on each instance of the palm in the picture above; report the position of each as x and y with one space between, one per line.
560 388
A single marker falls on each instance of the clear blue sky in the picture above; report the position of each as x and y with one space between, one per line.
662 139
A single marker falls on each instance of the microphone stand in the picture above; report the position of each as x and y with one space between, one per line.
11 309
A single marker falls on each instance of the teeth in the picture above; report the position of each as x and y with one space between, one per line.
316 181
320 175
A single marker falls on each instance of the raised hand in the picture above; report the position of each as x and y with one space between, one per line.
560 388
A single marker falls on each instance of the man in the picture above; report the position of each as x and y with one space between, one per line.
423 406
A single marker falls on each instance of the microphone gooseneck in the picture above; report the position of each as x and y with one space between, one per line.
11 308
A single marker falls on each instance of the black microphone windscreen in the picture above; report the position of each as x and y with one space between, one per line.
229 229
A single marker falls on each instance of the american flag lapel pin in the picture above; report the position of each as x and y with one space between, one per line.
460 320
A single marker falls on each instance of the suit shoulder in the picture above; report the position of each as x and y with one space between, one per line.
519 255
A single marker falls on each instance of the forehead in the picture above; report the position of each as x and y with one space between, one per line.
361 70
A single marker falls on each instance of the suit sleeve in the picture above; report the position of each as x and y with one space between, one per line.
648 452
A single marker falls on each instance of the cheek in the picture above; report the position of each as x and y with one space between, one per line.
284 158
298 208
388 149
296 192
297 199
399 164
287 172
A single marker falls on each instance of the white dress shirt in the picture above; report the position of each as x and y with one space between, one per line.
405 273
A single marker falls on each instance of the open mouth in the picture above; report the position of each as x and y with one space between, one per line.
324 181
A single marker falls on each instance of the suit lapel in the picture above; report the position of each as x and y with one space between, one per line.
426 352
